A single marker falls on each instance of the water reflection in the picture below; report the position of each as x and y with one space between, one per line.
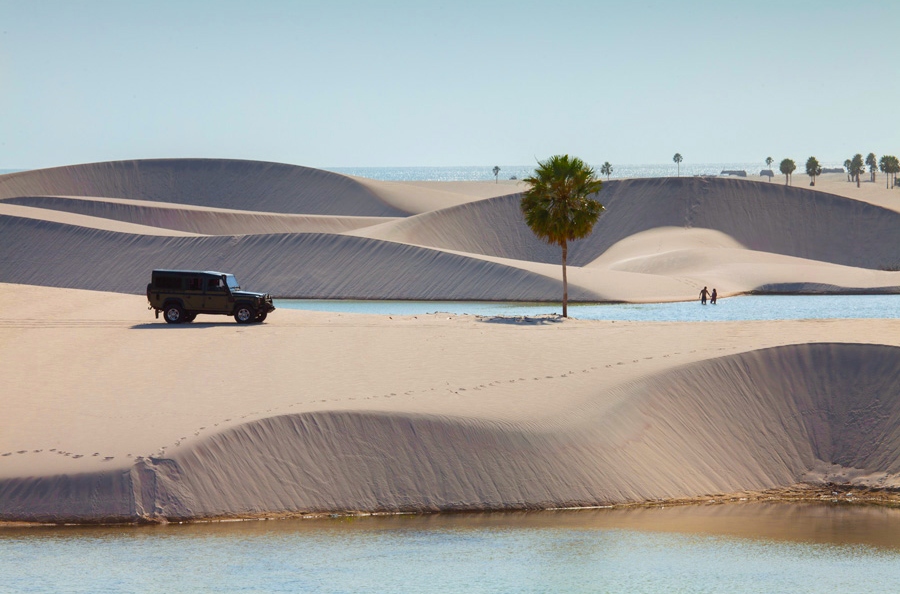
749 547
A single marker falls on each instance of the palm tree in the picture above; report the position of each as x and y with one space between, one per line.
769 161
496 173
813 169
787 168
857 167
883 165
847 163
606 169
890 166
872 162
678 159
558 207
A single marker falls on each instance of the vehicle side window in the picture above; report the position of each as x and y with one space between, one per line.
167 282
195 284
215 284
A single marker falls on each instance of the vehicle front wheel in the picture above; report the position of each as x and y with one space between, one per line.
244 314
173 314
260 318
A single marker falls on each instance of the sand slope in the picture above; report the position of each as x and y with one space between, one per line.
287 228
313 265
318 412
193 219
221 183
112 415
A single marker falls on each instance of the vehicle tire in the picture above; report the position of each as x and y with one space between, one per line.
173 313
244 314
189 317
261 317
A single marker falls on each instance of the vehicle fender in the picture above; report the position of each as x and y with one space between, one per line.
172 301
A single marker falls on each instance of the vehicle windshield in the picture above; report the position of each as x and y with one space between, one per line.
232 282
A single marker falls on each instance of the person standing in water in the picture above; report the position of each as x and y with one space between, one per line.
712 297
703 295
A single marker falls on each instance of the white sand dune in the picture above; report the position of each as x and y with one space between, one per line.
111 415
220 183
323 412
313 265
192 219
420 196
286 229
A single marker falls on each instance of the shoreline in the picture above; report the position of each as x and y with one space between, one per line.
837 494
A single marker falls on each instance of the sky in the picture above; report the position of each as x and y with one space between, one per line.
388 83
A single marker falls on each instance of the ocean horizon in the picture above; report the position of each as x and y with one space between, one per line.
508 172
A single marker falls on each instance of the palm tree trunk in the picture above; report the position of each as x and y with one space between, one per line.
565 253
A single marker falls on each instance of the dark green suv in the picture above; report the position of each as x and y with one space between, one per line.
182 294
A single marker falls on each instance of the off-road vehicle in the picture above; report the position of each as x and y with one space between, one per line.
182 294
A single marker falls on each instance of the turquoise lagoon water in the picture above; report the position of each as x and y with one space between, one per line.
750 307
729 548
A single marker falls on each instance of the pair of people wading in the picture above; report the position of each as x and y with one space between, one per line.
704 294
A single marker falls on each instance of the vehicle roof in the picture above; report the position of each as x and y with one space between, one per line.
210 272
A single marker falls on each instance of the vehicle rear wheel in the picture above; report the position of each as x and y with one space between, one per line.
244 314
173 314
189 317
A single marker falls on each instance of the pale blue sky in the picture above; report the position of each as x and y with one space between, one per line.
382 83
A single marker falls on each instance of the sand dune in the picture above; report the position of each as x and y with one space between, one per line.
312 265
220 183
418 197
111 415
193 219
604 413
284 225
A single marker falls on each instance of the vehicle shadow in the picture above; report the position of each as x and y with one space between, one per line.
162 325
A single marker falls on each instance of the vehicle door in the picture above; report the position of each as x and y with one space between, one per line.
193 294
216 296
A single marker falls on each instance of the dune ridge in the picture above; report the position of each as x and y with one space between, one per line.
755 420
199 220
653 243
222 183
311 265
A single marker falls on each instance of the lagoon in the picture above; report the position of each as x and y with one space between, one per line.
749 307
742 547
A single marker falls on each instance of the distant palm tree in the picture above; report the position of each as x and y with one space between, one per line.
558 206
606 169
847 163
872 162
678 159
769 161
496 173
813 169
890 166
787 168
857 167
